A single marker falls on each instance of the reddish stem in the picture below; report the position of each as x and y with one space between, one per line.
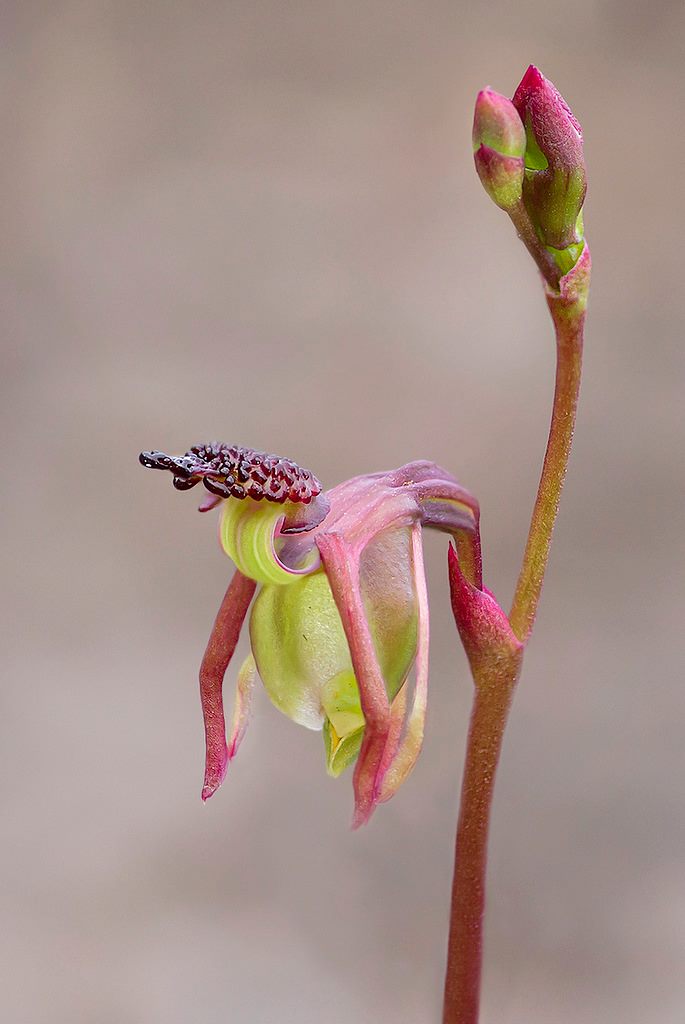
465 948
568 325
496 677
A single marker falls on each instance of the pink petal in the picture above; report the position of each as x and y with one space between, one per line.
220 647
398 710
395 768
342 568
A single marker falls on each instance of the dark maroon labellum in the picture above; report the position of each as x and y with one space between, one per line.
234 472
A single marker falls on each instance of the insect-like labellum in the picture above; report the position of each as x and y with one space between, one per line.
229 471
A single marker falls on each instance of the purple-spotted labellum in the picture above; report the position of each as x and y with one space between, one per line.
340 619
229 471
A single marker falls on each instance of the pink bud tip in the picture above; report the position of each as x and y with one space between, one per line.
555 182
497 125
544 111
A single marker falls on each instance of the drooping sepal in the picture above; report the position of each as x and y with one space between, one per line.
342 569
390 740
405 738
220 648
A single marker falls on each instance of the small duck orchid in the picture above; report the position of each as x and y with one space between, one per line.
341 616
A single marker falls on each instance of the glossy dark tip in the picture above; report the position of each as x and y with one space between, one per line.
230 471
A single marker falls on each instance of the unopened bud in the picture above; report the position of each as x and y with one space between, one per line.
555 179
499 143
497 125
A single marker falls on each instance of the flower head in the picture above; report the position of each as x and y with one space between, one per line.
341 616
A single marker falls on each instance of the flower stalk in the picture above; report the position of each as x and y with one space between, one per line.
467 907
545 208
567 309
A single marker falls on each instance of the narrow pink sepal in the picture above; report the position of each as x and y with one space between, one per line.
220 647
341 562
398 710
399 762
366 772
484 628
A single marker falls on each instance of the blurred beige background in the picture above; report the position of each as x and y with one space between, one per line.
259 222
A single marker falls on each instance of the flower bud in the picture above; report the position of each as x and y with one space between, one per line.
497 125
555 179
499 143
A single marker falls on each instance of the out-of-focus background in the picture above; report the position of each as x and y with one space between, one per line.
259 222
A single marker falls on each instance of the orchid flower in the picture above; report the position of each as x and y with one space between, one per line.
341 614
